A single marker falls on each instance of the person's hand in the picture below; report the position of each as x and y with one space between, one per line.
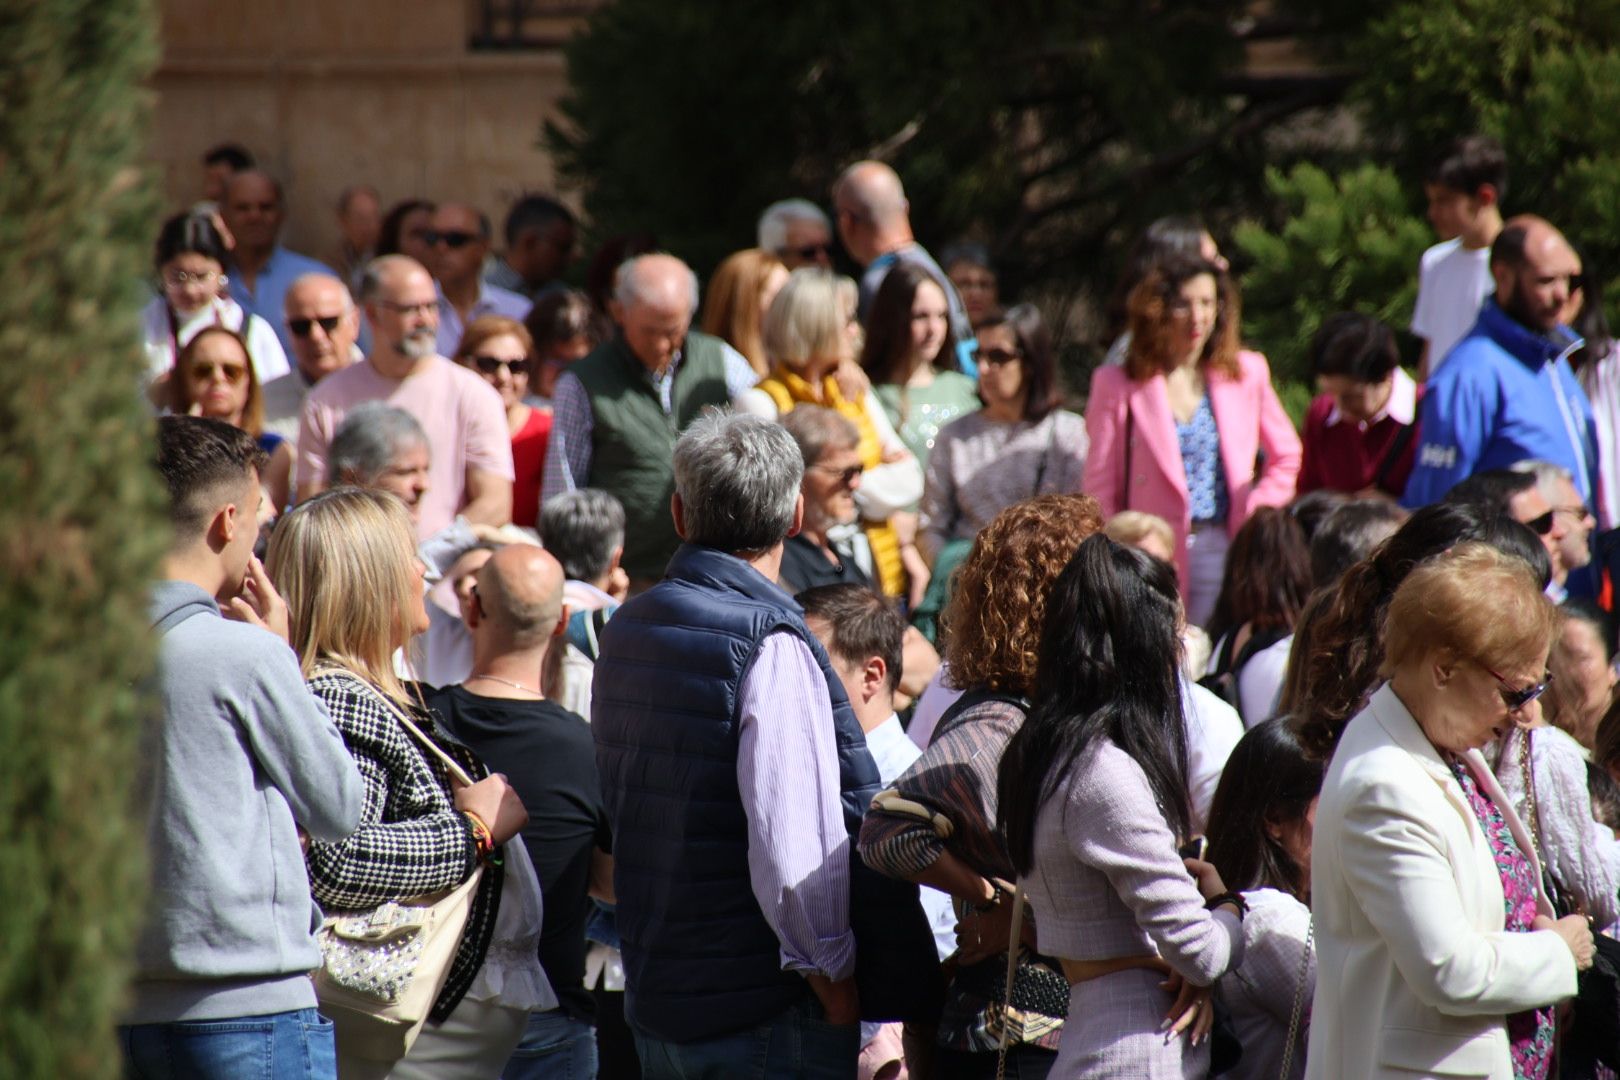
852 381
1577 934
1209 880
496 805
259 603
1192 1012
618 584
838 999
981 935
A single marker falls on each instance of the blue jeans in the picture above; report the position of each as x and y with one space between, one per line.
796 1043
281 1046
555 1046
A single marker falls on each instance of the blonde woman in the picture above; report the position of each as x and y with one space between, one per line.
346 564
739 295
810 331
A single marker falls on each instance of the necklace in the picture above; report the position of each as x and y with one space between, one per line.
508 682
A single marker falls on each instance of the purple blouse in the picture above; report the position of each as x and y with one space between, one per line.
1530 1033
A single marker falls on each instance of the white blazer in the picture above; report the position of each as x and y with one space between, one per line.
1415 974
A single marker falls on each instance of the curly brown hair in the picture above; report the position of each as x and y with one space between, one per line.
992 625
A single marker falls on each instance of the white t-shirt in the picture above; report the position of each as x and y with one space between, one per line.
1260 682
1213 729
1453 281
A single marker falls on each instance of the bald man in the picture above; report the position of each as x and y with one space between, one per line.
260 269
617 413
874 223
1506 393
459 240
471 447
324 324
516 616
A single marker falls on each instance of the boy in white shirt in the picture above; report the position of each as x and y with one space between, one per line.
1465 187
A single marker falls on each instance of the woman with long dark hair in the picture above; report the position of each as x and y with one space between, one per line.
1260 836
1092 797
1264 588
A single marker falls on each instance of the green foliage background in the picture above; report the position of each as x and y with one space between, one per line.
79 525
1055 132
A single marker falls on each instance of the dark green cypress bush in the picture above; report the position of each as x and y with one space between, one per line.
80 524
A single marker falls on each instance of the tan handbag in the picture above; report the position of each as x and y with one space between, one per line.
381 970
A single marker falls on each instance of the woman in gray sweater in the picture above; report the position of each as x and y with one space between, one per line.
1092 795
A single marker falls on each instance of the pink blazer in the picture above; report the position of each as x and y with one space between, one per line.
1248 416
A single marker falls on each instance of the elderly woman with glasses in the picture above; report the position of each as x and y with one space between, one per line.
1425 884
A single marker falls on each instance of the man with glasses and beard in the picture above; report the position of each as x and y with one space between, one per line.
1506 393
459 239
471 471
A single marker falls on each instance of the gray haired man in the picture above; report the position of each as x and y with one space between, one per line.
616 413
734 774
797 232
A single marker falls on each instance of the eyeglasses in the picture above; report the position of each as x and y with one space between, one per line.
1518 699
410 309
450 238
1577 513
304 327
179 279
997 357
846 477
809 252
489 365
233 372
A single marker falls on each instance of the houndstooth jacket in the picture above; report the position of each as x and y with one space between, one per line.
411 840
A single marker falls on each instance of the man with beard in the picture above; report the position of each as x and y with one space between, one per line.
471 469
1505 393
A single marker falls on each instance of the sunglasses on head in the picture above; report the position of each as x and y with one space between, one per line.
450 238
304 327
1518 699
489 365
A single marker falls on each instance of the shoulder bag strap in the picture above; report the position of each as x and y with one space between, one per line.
1013 950
1403 439
457 773
1299 1004
1130 430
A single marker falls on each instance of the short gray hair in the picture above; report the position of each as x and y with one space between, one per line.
628 288
368 441
773 223
816 430
738 480
582 529
1547 477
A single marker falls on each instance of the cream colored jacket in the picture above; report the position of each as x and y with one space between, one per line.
1415 973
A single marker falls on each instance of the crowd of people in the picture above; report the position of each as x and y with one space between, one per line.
575 692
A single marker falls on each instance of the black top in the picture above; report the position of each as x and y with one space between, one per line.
805 566
549 757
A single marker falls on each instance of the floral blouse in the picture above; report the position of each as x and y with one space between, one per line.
1200 444
1530 1033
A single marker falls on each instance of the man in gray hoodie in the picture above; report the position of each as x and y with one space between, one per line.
243 758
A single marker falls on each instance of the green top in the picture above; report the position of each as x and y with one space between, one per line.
918 413
633 439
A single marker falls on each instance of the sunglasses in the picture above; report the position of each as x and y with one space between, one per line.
489 365
179 279
233 372
997 357
304 327
450 238
1518 699
1542 525
846 477
809 252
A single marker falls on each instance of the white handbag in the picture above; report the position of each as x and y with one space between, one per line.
382 969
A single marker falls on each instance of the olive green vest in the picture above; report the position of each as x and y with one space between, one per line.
633 439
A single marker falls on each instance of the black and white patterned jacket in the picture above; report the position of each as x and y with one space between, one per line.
412 840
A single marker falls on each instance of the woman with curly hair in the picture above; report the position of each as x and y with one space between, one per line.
992 630
1178 429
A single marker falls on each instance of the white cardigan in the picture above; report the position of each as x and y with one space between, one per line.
1415 974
